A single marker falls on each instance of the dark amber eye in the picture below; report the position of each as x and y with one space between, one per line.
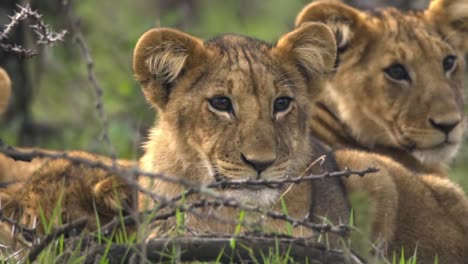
282 104
449 63
221 103
397 72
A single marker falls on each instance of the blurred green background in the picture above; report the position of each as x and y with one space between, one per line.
54 104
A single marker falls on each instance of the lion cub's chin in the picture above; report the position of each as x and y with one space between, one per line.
438 154
263 197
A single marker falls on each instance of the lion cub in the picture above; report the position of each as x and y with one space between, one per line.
397 94
398 87
11 170
5 90
235 108
231 108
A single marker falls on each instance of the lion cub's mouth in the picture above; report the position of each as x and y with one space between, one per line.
437 146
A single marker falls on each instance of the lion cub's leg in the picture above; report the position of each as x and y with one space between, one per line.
379 188
450 197
112 194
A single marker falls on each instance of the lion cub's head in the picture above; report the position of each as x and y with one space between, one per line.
5 90
399 76
232 107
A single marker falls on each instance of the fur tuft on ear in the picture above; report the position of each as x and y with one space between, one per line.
451 19
342 19
160 58
166 61
5 90
312 48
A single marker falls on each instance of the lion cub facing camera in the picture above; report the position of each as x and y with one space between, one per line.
235 108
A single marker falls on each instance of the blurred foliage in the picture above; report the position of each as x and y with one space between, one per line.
64 100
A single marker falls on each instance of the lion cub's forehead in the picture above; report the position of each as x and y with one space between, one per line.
408 28
230 44
246 65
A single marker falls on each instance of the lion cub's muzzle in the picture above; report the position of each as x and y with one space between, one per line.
446 127
259 164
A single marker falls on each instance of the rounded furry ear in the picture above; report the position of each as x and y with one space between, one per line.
342 19
161 57
5 90
450 17
312 48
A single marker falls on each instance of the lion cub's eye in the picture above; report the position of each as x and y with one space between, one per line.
282 104
221 103
449 63
397 72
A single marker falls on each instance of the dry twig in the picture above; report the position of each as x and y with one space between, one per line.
83 45
73 228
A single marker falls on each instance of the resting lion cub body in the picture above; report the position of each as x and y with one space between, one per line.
397 95
230 108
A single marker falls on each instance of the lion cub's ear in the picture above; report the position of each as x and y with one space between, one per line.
312 49
160 59
342 19
5 90
451 19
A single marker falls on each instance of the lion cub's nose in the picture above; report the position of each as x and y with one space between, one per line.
444 126
258 164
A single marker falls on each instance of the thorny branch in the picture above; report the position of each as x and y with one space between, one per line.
45 35
81 41
194 187
29 155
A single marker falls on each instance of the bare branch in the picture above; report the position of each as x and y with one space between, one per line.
250 248
73 228
81 41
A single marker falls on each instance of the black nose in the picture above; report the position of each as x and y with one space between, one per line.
445 127
258 165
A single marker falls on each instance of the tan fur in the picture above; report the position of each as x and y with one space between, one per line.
11 170
363 108
5 90
196 142
426 214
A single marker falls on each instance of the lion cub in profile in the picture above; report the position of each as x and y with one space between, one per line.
5 90
397 94
231 108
